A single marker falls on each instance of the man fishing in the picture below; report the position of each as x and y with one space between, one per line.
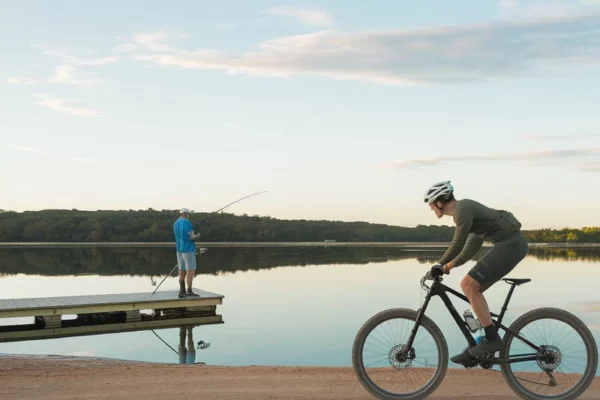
186 252
184 234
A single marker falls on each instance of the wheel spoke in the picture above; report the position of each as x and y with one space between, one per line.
390 367
569 372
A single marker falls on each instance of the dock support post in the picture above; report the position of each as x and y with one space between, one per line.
133 316
52 321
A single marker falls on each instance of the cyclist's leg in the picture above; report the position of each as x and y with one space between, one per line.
473 291
493 266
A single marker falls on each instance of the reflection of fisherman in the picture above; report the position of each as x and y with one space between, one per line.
186 356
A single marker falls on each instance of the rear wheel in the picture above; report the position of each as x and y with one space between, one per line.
566 362
387 368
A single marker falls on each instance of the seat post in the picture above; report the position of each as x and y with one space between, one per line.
505 306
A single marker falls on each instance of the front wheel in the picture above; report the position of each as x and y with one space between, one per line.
387 368
565 363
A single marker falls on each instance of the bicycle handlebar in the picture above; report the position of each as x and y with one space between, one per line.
428 276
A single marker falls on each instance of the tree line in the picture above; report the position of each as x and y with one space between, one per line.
156 226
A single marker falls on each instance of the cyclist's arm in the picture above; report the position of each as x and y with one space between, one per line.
472 246
464 221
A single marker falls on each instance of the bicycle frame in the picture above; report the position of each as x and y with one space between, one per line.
441 290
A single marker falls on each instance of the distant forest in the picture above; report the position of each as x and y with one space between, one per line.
157 226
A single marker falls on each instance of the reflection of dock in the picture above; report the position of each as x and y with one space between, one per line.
99 314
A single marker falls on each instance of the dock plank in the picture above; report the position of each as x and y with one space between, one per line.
20 304
103 302
31 303
42 302
9 303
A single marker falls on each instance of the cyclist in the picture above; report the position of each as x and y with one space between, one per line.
476 223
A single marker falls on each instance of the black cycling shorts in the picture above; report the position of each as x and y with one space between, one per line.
500 260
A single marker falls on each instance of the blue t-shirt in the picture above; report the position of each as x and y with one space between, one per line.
182 228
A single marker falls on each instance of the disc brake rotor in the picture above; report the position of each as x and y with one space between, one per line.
399 357
549 358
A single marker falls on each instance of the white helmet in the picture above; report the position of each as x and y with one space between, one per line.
437 190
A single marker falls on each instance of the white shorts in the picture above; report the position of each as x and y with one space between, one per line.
186 261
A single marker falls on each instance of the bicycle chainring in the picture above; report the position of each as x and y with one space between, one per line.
485 361
399 357
549 357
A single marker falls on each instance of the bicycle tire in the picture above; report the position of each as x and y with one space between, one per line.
578 325
426 323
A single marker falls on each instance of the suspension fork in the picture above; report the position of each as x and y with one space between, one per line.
420 314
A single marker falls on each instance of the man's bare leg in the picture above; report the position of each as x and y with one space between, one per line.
492 341
181 282
190 278
472 289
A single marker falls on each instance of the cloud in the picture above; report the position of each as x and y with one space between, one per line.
532 157
64 74
305 16
24 148
159 41
439 55
66 54
65 105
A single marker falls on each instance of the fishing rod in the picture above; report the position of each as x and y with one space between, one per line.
201 222
161 339
221 209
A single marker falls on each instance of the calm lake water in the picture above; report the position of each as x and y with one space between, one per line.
283 305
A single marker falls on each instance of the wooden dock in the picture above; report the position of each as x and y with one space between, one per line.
107 313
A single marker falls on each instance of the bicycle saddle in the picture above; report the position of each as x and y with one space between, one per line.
516 281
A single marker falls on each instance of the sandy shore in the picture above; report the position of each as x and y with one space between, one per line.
24 378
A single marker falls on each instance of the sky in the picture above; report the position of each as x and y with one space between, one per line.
341 110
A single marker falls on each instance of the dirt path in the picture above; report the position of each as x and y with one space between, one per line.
26 378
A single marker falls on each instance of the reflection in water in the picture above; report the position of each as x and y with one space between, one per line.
156 261
565 253
186 350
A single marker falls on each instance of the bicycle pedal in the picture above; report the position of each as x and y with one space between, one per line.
470 365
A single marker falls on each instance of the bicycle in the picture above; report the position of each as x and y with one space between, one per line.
548 357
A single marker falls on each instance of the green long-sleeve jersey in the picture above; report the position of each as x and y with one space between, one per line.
476 223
